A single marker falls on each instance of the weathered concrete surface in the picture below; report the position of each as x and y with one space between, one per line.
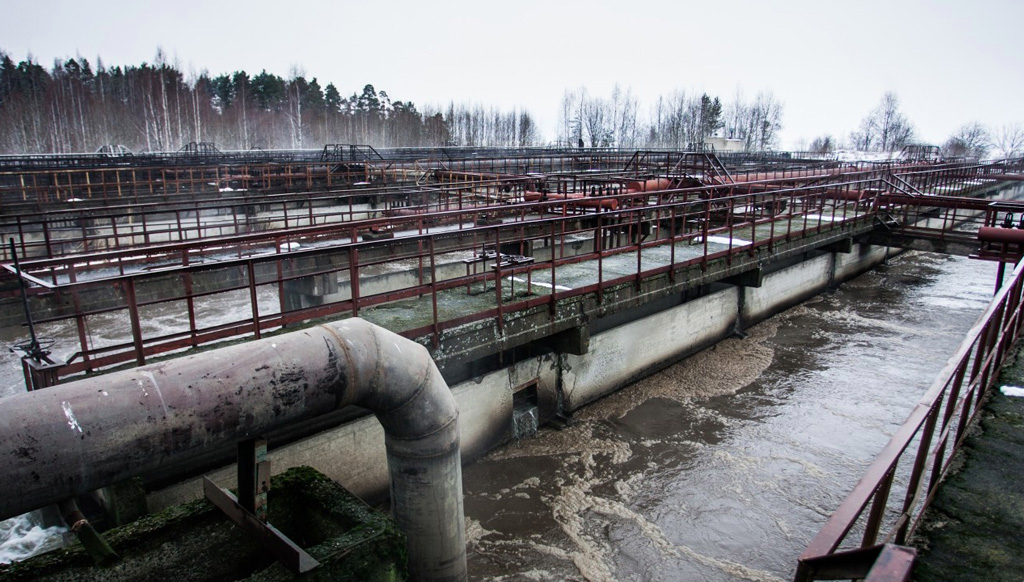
626 353
786 288
974 530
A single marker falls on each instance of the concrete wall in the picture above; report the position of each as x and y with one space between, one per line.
626 353
353 454
863 257
786 288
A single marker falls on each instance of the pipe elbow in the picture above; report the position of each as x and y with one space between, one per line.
396 379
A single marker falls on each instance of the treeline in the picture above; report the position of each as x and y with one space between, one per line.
679 121
73 107
886 129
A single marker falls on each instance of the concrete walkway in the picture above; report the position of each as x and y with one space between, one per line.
974 530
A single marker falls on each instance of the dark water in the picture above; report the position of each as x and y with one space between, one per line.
724 466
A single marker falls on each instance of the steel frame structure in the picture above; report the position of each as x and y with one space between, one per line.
189 272
683 217
140 221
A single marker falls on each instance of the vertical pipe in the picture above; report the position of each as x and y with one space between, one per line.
79 317
497 280
553 304
599 247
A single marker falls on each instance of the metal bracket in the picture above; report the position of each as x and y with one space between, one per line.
249 510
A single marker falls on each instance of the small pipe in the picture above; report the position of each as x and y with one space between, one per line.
84 435
94 543
1001 235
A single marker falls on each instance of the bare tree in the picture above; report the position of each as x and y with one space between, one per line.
822 145
756 123
595 123
626 128
970 141
571 127
766 118
1008 140
885 129
734 116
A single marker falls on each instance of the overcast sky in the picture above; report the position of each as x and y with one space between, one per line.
949 61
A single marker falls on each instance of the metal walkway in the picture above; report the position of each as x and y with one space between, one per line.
476 246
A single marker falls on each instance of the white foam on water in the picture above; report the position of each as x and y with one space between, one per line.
722 369
23 536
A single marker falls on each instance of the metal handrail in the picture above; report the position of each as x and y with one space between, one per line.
737 209
939 423
74 238
743 214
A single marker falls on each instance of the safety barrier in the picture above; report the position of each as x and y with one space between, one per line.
929 439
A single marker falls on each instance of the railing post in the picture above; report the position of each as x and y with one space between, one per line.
253 302
951 400
433 293
133 315
553 304
878 509
920 461
353 277
995 328
599 247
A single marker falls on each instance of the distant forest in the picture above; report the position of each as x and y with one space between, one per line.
75 107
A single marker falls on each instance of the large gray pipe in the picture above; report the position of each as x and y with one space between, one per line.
83 435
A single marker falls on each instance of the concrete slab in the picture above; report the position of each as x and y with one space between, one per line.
974 530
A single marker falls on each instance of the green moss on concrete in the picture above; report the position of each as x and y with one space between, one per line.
974 529
195 542
127 501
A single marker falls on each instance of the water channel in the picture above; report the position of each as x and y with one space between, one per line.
723 467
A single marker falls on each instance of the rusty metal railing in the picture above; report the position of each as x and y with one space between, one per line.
136 286
85 228
928 439
671 220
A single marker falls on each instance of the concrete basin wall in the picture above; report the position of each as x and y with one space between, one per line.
622 355
353 454
786 288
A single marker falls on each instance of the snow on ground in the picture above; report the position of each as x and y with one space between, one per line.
723 240
1012 391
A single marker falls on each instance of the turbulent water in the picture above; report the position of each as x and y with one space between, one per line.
724 466
25 536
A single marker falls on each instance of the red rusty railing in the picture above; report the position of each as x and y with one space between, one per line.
256 265
748 222
128 222
938 426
